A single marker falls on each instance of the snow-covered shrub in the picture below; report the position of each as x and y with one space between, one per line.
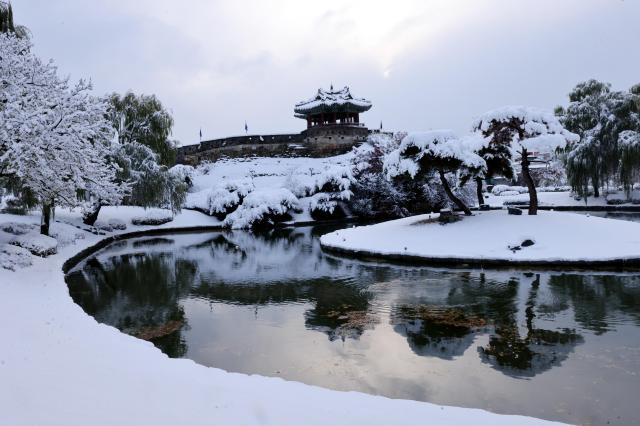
220 200
65 234
110 225
509 193
560 188
501 189
38 244
324 188
153 217
262 207
13 257
12 204
332 185
552 175
18 228
184 173
117 224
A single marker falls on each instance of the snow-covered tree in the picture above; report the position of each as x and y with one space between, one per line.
498 159
599 116
54 138
375 196
438 151
152 184
524 131
143 119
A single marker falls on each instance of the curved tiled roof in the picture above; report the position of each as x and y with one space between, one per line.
332 101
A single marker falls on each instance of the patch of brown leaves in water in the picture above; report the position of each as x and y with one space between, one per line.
451 317
149 333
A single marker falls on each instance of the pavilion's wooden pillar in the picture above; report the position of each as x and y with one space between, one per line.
356 117
308 122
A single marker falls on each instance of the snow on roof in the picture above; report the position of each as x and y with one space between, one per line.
332 100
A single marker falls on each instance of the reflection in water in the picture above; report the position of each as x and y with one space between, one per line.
445 333
272 303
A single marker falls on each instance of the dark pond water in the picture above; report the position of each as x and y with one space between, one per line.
561 346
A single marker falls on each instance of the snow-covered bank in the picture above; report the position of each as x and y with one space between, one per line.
564 199
497 237
58 366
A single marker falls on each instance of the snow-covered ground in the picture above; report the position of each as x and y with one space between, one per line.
496 235
558 199
58 366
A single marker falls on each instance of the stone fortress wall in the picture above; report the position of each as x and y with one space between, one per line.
326 141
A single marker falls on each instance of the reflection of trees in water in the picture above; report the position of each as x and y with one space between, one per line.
340 309
595 299
439 312
301 274
435 331
138 294
536 351
446 328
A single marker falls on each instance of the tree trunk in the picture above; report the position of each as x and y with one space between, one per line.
46 218
458 202
526 176
596 187
479 191
91 217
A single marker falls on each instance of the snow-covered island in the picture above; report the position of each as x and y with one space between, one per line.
495 238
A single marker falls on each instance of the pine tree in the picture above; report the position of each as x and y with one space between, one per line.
522 130
436 152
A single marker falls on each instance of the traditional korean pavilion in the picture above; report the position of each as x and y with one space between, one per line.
332 107
333 118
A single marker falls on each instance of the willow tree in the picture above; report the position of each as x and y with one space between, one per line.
523 131
437 152
144 120
599 116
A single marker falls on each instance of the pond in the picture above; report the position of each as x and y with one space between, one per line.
559 346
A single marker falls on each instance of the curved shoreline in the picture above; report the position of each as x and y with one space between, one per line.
614 265
59 348
74 260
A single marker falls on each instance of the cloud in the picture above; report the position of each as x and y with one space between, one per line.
425 64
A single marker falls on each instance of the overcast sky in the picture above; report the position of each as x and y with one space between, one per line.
424 64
